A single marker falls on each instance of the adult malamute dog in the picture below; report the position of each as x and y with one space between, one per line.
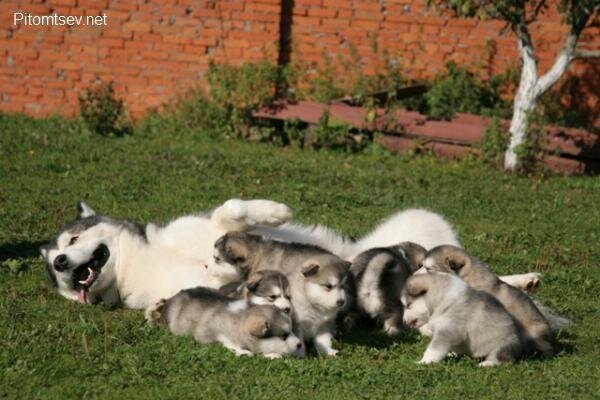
98 258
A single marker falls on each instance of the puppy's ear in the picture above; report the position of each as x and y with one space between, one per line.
254 281
455 262
310 269
84 211
220 243
417 286
258 326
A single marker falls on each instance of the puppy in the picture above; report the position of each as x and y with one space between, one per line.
459 319
455 260
320 283
380 274
211 317
266 287
413 253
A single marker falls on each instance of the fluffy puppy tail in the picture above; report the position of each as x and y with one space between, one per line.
555 320
154 313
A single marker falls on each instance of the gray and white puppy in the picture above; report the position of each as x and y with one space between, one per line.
266 287
412 252
380 275
211 317
536 328
321 285
459 319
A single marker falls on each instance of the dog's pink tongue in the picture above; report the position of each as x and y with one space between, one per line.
82 296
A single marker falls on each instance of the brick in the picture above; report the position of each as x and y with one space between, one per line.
322 12
137 26
67 65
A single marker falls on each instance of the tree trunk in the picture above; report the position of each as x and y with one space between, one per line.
525 103
531 87
525 99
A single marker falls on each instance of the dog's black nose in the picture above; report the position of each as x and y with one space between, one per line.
299 345
340 302
61 262
286 310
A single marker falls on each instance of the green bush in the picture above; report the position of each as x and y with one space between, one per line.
237 90
102 112
460 91
494 143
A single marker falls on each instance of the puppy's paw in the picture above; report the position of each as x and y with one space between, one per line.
154 312
425 361
273 356
243 352
331 352
489 363
533 283
391 328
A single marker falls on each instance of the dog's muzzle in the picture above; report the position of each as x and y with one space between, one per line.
86 274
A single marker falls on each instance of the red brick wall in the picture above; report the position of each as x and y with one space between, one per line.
154 50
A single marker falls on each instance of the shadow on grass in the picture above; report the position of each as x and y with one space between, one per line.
20 250
370 334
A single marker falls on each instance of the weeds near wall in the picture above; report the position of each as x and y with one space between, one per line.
494 143
530 153
102 112
460 91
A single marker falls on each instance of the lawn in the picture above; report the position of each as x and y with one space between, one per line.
54 348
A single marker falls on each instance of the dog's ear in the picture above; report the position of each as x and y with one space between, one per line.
220 243
84 211
310 269
455 262
258 326
254 281
417 285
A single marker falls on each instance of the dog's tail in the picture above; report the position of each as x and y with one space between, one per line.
555 320
154 313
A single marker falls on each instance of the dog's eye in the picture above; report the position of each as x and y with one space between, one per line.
285 336
272 297
328 286
73 240
217 259
420 265
239 259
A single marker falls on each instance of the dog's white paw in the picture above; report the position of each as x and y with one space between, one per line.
257 212
528 282
390 328
243 352
331 352
533 282
488 363
273 356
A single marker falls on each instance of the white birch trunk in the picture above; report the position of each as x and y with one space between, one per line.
531 88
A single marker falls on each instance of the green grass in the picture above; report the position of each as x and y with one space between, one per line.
53 348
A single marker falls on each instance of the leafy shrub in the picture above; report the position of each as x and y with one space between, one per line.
331 133
494 143
102 112
460 91
237 90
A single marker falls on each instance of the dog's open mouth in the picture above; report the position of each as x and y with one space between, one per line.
86 274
